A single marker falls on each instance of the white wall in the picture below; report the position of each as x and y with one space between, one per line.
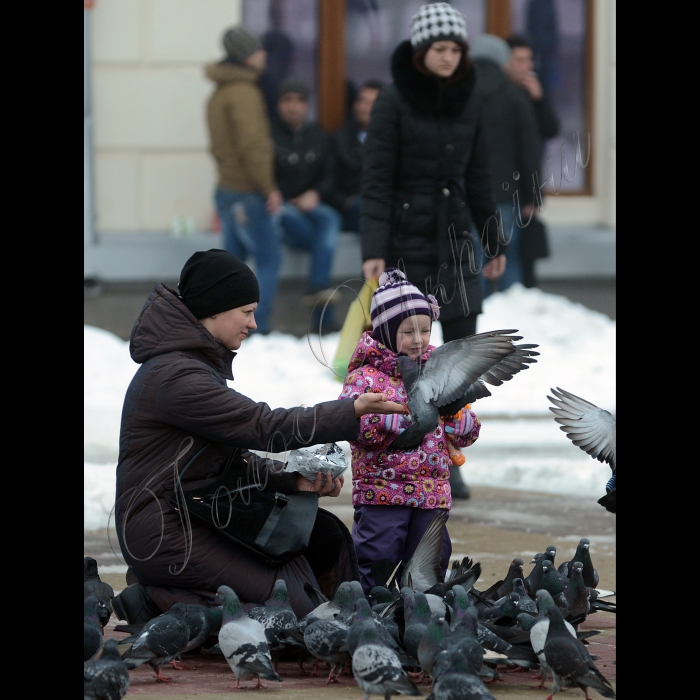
149 95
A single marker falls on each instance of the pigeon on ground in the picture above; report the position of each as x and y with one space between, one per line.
504 613
243 642
276 614
326 640
525 604
505 586
106 678
203 622
93 627
436 631
363 613
582 554
94 585
162 640
340 607
576 595
454 680
423 571
593 430
417 616
569 660
539 630
456 374
378 670
552 581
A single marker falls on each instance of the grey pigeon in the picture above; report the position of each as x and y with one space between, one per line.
436 632
539 630
378 670
465 640
454 680
162 640
326 640
93 628
203 622
363 613
94 585
456 374
569 661
340 606
243 642
106 678
593 430
417 616
276 614
525 604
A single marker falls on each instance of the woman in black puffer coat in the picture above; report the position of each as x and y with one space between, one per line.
426 183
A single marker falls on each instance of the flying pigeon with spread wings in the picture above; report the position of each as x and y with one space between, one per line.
456 374
593 430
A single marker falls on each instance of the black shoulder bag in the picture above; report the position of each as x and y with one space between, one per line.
275 527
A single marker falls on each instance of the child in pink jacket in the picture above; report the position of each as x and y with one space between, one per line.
394 493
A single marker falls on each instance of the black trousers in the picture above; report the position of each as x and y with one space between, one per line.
459 328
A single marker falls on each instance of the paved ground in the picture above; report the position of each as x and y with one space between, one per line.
492 527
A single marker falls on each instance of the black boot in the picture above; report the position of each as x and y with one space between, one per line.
134 605
459 488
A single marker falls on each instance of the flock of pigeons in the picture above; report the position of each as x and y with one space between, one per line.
422 627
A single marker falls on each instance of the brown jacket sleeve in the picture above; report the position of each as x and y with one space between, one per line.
250 128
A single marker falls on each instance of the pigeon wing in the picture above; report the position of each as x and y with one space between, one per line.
455 366
589 427
423 568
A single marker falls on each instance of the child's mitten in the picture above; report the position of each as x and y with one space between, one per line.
459 424
394 422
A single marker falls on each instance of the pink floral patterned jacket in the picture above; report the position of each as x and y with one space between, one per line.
417 478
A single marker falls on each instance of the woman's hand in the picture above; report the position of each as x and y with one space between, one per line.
376 403
332 487
373 268
495 267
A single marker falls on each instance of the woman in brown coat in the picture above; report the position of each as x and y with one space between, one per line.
179 402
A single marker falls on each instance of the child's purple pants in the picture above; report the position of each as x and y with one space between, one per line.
391 532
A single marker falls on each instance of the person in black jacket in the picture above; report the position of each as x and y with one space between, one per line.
304 172
347 148
427 193
533 244
512 135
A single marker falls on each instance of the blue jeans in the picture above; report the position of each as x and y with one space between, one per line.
248 229
315 231
514 272
351 218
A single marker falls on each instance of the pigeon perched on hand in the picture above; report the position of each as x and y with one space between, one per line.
94 585
243 642
593 430
106 678
456 374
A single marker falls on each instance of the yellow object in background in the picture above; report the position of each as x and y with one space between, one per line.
356 323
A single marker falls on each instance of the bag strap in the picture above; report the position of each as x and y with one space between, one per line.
268 528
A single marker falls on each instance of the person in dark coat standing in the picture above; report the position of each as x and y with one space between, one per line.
511 131
427 195
348 144
520 68
179 402
304 170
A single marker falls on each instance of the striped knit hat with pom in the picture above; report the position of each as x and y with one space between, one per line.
394 300
437 22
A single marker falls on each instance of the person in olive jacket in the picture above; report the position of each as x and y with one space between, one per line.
178 402
246 196
426 183
304 170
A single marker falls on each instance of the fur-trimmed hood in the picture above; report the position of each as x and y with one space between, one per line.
425 93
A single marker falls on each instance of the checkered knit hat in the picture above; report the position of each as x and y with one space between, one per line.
394 300
435 22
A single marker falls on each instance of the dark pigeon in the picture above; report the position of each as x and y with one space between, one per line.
326 640
576 595
456 374
592 429
94 585
106 678
243 642
525 604
423 571
569 660
378 670
93 627
553 582
340 607
417 616
162 640
436 631
582 554
363 613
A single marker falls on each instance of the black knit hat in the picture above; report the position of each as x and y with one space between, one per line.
215 280
293 85
239 43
